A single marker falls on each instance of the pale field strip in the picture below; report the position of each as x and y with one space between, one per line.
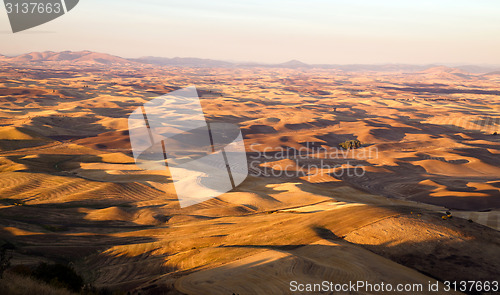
490 219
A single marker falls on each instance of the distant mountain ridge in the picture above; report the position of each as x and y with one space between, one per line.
68 56
495 73
89 58
182 61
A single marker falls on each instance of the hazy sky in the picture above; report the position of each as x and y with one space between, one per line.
313 31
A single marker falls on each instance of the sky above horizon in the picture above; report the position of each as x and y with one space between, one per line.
273 31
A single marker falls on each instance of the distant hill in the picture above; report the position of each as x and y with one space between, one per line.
182 62
87 57
477 69
294 64
376 68
495 73
441 69
445 72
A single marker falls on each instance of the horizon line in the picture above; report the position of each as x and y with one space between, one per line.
235 62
